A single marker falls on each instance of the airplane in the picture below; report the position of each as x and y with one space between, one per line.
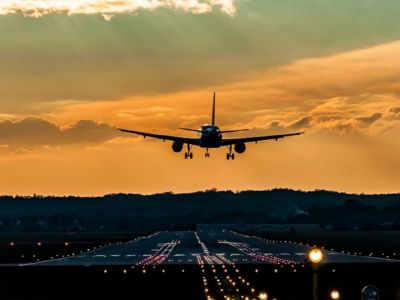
210 137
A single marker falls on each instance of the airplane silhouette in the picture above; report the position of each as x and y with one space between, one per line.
210 137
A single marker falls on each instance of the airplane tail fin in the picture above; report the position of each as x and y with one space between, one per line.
213 112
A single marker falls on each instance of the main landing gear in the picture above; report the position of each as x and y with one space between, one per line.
189 153
230 155
207 154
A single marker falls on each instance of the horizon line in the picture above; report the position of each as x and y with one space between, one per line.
212 190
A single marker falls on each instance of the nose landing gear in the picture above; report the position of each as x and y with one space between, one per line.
189 153
207 154
230 155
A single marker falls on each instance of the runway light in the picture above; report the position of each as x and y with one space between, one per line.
12 244
315 255
39 244
335 295
263 296
66 244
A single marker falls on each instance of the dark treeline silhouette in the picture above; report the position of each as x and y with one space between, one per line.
169 211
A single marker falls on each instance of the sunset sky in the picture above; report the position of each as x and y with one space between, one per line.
71 71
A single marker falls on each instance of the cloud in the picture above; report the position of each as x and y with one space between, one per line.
347 92
302 123
87 131
395 112
83 58
35 132
107 8
366 121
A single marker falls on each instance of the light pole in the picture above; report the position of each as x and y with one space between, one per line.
315 256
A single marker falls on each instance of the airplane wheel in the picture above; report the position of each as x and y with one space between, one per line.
186 155
233 156
228 156
191 155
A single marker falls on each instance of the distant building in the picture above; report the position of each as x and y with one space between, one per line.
260 227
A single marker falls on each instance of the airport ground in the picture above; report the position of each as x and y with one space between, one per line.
182 265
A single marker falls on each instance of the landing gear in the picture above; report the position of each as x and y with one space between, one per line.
230 155
207 154
189 153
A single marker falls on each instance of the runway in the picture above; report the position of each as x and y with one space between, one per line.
200 247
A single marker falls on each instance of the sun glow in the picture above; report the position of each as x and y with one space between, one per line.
109 8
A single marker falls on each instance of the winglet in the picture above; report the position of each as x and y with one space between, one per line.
213 112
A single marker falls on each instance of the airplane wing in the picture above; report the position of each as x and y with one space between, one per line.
184 140
227 142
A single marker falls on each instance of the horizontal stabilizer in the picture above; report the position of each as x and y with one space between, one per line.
230 131
189 129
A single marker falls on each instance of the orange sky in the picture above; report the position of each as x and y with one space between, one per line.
72 74
347 103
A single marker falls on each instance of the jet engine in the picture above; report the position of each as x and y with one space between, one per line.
240 148
177 146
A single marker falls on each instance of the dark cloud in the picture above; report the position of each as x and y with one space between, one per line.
278 127
302 123
396 112
60 57
34 132
275 126
88 131
366 121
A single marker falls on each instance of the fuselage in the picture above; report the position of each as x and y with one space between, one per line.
210 137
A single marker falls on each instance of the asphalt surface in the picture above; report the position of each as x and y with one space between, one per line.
200 247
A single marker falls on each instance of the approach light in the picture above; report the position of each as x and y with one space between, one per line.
335 295
315 255
263 296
